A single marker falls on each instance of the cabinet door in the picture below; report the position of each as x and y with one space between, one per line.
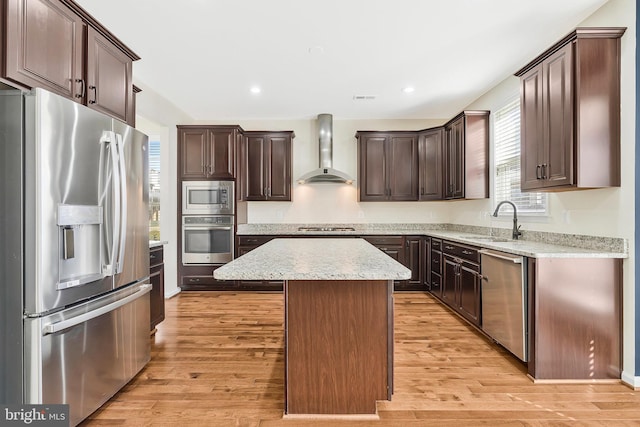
557 169
221 153
414 259
44 46
255 150
109 77
402 167
156 297
372 177
278 168
449 282
531 129
194 146
469 292
454 160
430 164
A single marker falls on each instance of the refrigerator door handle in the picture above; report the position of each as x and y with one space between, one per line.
109 137
52 328
123 204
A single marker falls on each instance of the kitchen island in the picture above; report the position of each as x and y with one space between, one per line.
338 320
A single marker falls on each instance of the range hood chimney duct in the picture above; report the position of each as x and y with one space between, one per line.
325 173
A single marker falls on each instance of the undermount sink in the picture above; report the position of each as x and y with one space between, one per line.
490 239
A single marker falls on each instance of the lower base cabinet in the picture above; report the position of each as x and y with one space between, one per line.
460 288
156 278
200 278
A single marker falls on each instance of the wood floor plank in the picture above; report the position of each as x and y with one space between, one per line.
218 360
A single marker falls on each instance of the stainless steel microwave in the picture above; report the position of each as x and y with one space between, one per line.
207 198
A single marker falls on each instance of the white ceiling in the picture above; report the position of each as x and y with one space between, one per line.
314 57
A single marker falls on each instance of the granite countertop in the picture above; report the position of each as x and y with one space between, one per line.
548 245
314 259
156 243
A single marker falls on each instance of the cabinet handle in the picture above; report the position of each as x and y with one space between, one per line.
467 252
252 240
538 174
82 88
95 94
269 191
194 280
545 170
210 170
152 256
448 247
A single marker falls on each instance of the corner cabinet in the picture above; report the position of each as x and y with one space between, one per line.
266 166
388 166
207 152
466 156
56 45
568 141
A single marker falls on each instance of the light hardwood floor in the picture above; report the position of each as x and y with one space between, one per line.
217 360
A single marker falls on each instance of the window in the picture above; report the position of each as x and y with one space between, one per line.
154 189
507 161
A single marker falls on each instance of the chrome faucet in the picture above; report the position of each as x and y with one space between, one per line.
516 228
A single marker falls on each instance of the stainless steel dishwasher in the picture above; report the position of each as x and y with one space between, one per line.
504 300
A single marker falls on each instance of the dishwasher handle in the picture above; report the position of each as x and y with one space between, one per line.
516 259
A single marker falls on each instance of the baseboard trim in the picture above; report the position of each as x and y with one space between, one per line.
172 294
631 381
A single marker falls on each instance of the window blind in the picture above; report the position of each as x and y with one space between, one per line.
507 163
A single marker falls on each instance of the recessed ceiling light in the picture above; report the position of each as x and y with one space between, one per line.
255 90
316 50
408 89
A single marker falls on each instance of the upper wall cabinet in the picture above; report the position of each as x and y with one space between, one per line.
466 156
207 152
47 44
430 163
570 125
388 165
266 166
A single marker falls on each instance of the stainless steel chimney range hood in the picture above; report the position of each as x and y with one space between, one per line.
325 173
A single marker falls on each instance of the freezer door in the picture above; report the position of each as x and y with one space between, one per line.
133 255
67 198
84 355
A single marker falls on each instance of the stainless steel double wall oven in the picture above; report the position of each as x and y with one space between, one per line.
207 222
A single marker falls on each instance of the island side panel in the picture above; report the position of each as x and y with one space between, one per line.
337 346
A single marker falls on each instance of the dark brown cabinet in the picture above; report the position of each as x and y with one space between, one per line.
466 156
200 278
156 277
207 152
437 263
414 257
246 244
57 46
266 166
567 143
430 164
461 280
388 168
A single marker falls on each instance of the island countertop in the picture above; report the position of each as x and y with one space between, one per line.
314 259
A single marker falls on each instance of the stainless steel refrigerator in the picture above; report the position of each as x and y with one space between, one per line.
74 252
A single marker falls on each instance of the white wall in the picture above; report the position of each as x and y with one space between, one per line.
158 116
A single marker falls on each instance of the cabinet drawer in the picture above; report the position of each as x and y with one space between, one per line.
384 240
436 262
469 253
156 256
254 240
436 244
